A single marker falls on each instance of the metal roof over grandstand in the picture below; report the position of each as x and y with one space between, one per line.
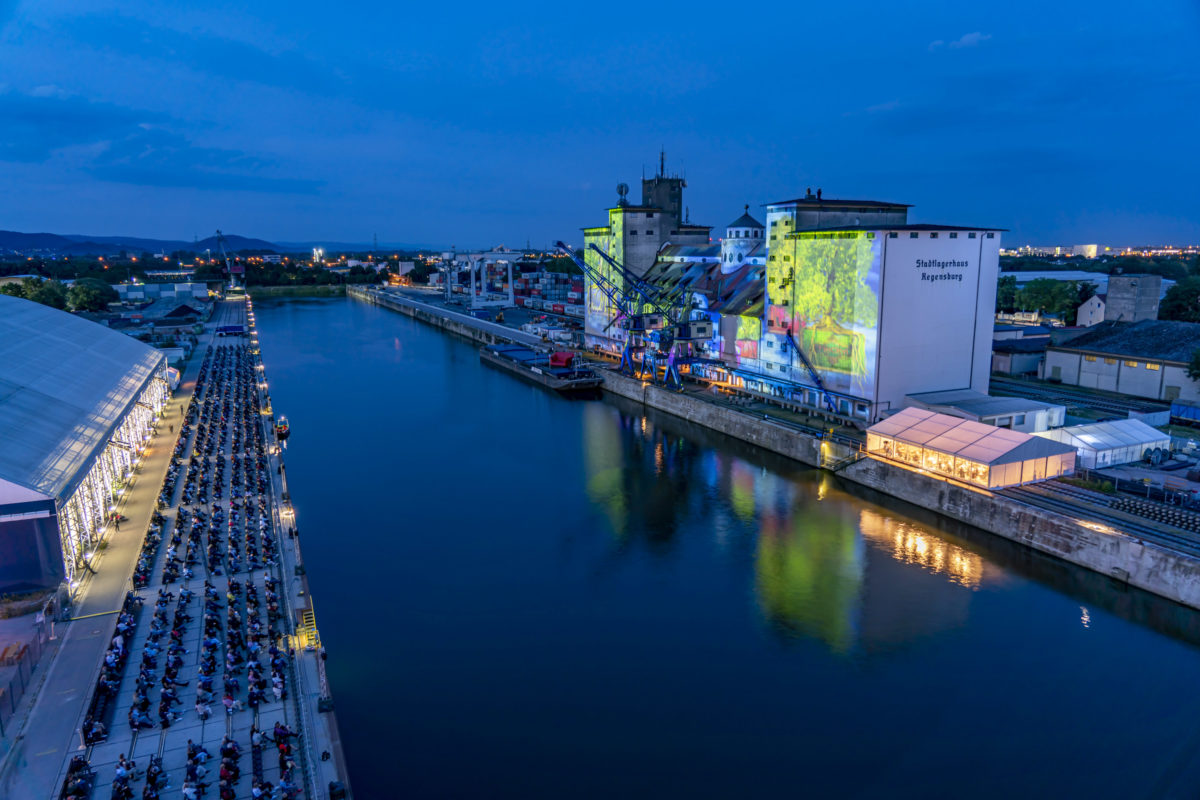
65 385
974 441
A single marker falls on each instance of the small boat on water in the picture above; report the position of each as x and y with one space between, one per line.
561 371
282 429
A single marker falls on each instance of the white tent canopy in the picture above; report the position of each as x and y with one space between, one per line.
969 451
1106 444
65 385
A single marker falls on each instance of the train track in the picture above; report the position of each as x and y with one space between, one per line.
1070 397
1077 504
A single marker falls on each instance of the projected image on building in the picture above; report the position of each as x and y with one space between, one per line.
824 291
600 312
749 331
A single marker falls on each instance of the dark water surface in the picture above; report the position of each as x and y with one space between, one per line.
524 596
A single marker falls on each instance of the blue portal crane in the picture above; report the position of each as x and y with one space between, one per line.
648 314
659 316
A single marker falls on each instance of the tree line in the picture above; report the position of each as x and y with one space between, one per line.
87 294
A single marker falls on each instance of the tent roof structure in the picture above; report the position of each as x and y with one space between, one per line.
65 385
1109 435
974 441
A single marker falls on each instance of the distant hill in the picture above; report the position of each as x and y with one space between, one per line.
233 243
81 245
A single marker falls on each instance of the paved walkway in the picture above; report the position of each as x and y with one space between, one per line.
170 743
50 732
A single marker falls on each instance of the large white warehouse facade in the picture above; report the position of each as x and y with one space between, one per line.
879 308
77 404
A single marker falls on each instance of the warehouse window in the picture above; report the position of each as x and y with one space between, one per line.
633 233
1133 364
892 234
971 235
953 235
1018 419
933 235
913 235
1110 361
1153 366
649 233
991 236
1089 358
649 215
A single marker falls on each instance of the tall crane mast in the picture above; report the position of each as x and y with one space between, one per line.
224 255
666 322
654 319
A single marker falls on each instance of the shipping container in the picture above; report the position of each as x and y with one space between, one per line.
557 308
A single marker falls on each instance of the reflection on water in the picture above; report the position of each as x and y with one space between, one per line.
826 565
910 544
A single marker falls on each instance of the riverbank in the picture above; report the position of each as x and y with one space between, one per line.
1123 558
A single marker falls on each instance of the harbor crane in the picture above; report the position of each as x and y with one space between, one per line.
229 268
656 321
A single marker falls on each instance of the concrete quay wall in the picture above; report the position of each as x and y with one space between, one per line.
764 433
476 330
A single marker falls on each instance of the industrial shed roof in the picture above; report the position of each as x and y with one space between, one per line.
974 441
978 404
1152 339
65 385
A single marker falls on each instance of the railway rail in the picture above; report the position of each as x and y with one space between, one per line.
1072 397
1077 504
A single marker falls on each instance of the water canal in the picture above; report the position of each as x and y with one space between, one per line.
528 596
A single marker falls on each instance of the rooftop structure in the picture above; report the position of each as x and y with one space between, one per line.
77 402
1133 298
633 238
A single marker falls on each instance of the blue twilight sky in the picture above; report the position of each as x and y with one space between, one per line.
478 123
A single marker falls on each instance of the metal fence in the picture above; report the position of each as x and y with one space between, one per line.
18 662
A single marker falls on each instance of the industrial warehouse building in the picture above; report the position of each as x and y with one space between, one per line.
77 404
1142 359
952 447
878 308
1107 444
1017 413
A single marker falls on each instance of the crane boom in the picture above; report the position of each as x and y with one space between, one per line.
812 372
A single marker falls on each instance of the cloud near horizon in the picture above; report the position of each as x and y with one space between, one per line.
966 40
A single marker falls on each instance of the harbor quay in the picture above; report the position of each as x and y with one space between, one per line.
190 660
1074 527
